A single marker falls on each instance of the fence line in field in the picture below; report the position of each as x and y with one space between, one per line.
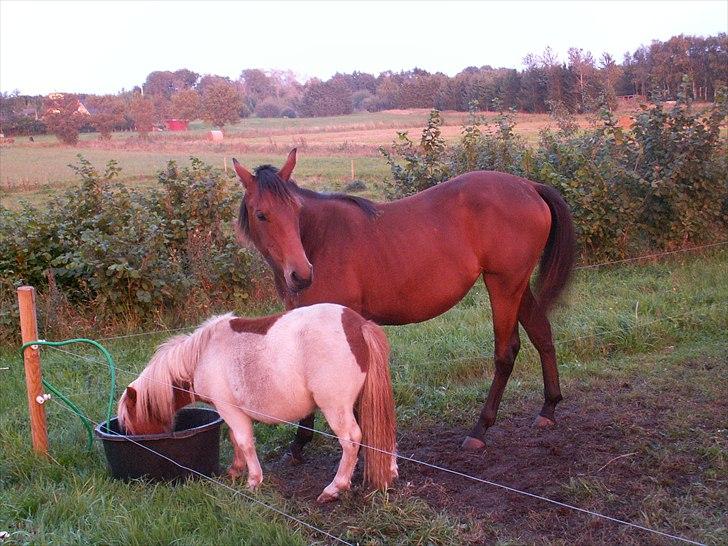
485 356
416 461
577 268
218 482
647 256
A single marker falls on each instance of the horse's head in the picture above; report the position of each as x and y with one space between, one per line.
269 217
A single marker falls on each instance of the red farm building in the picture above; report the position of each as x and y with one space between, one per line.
177 124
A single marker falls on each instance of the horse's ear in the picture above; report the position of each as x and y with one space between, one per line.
246 178
131 394
287 169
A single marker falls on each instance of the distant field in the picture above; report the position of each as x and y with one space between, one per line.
32 174
34 170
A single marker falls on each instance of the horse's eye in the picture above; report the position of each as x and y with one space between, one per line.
261 216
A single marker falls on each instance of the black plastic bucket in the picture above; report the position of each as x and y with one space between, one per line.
194 443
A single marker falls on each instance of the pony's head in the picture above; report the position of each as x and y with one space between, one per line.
149 403
140 417
269 217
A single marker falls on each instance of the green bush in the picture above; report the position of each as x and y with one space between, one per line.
424 165
128 253
661 185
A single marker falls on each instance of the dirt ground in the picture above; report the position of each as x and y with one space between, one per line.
616 449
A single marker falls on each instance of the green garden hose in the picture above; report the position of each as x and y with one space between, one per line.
112 389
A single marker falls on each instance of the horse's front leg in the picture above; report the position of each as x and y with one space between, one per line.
241 434
504 301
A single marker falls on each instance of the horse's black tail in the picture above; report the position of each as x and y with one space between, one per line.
557 260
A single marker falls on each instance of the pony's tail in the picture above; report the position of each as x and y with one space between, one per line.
376 411
557 260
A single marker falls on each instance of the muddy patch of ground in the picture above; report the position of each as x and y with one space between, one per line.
627 450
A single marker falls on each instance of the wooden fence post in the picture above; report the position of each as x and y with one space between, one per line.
31 358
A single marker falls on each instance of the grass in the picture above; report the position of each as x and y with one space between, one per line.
652 334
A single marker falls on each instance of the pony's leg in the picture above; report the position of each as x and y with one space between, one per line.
241 430
342 422
505 299
538 328
238 467
304 434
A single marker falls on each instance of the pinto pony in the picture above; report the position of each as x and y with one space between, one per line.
413 259
278 369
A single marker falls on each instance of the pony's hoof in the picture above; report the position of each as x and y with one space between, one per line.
543 422
327 497
472 444
235 473
254 482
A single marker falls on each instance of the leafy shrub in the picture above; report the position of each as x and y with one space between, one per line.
661 185
130 254
424 165
496 147
680 160
588 171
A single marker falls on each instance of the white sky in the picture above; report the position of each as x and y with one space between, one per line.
104 46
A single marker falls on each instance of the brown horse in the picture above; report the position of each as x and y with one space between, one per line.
413 259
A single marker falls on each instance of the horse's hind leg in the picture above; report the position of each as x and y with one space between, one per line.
304 434
538 328
342 422
504 300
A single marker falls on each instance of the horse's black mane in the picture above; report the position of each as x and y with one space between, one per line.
269 181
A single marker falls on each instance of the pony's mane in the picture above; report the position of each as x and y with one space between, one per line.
269 181
173 365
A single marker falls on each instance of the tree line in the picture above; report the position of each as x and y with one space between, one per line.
577 84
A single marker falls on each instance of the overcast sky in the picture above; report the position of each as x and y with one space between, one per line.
104 46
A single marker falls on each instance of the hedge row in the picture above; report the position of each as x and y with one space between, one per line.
130 254
661 184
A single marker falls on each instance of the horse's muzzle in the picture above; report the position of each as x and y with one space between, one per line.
299 283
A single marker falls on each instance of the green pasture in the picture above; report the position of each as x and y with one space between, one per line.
640 341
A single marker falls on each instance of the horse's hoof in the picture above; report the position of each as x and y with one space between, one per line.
472 444
293 459
327 497
544 422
